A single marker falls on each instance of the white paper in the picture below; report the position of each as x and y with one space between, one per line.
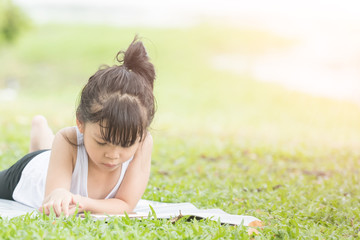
12 209
171 210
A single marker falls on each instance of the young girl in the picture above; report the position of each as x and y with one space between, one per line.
102 165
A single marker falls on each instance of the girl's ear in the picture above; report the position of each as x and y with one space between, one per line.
80 125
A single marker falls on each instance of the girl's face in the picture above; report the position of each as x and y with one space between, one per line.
104 155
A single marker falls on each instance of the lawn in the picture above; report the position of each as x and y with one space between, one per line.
221 140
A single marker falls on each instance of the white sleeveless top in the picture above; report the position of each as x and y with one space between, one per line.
31 187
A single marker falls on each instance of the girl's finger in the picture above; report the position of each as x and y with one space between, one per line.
45 209
73 208
65 206
48 207
75 200
57 208
42 209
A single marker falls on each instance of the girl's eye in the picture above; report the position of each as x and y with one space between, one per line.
101 143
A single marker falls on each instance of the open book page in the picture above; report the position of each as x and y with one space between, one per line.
12 209
171 210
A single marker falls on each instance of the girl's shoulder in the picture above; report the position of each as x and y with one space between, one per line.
70 134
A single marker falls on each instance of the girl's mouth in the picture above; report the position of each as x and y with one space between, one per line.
109 165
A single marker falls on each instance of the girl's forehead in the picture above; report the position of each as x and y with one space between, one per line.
93 128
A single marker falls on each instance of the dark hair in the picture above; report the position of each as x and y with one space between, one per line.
120 98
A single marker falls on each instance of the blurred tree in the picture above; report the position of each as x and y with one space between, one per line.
12 21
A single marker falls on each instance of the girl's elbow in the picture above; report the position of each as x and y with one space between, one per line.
124 206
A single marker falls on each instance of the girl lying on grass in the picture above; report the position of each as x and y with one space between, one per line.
102 164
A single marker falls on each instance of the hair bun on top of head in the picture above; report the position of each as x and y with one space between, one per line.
136 59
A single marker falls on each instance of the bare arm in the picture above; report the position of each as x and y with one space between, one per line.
132 187
58 181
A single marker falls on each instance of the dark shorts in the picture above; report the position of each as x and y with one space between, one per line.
10 177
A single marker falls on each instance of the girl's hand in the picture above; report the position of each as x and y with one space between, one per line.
61 201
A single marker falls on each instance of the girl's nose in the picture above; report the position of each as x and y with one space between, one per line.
112 154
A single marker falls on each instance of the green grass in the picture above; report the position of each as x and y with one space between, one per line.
221 140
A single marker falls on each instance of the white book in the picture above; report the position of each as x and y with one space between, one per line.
12 209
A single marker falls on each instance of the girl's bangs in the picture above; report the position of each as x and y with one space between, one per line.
122 122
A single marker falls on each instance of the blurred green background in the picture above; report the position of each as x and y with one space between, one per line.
195 101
